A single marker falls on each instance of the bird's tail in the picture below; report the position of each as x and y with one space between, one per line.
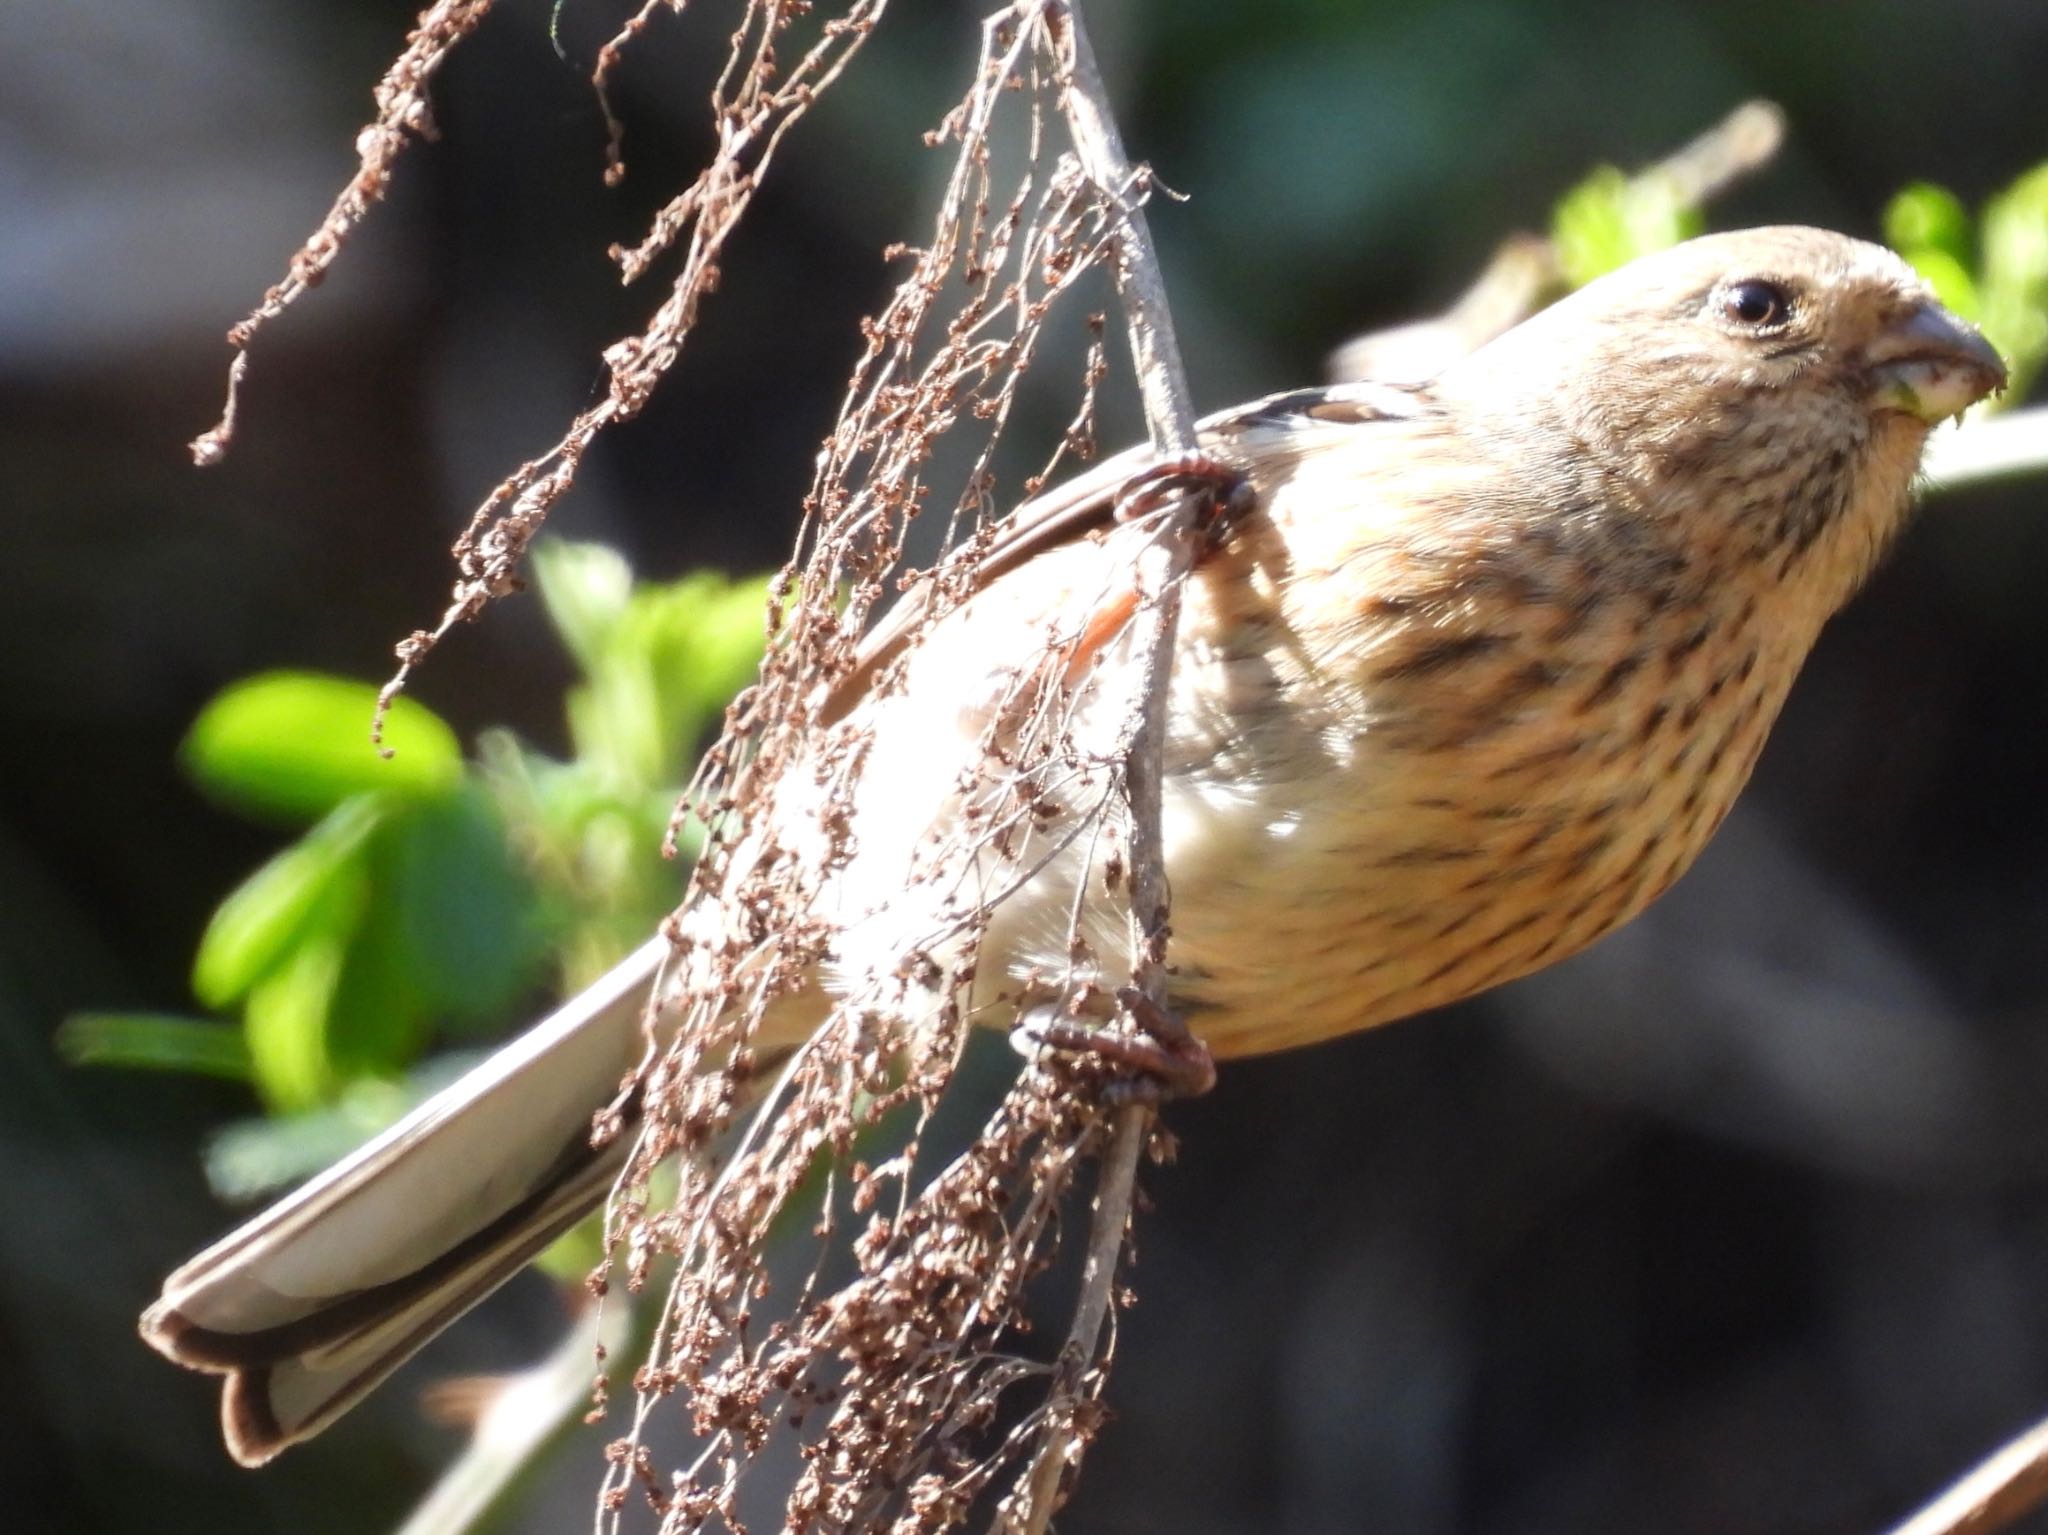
311 1304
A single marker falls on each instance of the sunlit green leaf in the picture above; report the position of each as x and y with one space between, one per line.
584 588
1950 279
725 650
455 909
703 638
2015 231
155 1042
2014 276
616 719
286 1016
295 744
1610 219
589 850
1923 217
257 925
678 652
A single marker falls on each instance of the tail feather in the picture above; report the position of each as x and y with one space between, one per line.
308 1306
301 1388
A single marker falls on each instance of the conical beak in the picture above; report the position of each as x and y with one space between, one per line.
1931 364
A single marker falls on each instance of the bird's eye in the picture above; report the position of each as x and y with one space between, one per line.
1754 303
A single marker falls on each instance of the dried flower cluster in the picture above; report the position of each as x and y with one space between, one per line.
898 1383
403 114
757 98
891 1366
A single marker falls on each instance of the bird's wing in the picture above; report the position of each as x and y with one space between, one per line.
1280 426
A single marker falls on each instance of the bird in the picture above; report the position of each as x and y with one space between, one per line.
1468 674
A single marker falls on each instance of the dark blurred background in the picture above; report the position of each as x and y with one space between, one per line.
1737 1224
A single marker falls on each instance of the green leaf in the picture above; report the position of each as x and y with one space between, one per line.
677 653
286 1017
379 1015
2014 275
155 1042
584 588
295 744
1929 227
270 912
617 722
574 1255
252 1158
1950 280
701 640
2015 232
1923 217
456 913
1610 219
726 648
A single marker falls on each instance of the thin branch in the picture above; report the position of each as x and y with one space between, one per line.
1994 447
1155 348
1523 275
2005 1486
521 1414
753 109
1162 568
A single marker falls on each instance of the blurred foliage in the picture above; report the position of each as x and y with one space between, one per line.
291 746
1993 270
430 892
1610 218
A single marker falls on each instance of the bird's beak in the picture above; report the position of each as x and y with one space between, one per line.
1931 364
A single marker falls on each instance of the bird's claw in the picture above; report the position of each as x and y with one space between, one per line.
1226 492
1162 1058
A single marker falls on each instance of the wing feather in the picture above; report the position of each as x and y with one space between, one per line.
1292 422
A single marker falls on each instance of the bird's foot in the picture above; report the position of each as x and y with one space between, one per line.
1162 1058
1226 492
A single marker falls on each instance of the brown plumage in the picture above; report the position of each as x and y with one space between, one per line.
1472 683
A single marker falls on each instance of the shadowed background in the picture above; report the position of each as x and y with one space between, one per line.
1738 1223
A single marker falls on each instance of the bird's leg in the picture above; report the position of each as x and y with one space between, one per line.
1226 492
1164 1057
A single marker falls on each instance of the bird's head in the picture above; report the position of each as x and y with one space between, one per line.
1772 388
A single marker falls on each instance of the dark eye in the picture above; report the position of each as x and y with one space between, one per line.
1755 303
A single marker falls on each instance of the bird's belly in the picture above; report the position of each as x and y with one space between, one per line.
1335 861
1401 881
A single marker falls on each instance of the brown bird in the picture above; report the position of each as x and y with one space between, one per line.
1472 681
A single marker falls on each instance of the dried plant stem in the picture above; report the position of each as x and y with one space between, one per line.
2004 1487
403 114
1155 348
1163 565
895 1384
758 98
